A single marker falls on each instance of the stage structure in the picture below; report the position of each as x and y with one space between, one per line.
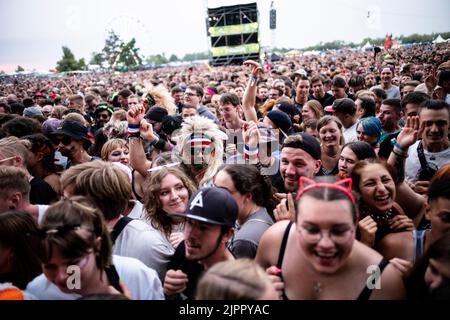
234 33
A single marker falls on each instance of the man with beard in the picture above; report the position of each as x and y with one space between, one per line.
102 115
210 221
429 154
300 157
73 141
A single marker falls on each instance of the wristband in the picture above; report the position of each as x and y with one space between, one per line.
133 129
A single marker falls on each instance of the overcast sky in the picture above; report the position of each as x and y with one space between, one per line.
32 32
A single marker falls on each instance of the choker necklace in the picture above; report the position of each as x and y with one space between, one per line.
380 218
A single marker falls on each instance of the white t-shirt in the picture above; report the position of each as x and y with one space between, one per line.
141 241
138 210
142 282
412 165
42 208
350 134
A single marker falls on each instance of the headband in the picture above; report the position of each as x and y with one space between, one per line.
344 185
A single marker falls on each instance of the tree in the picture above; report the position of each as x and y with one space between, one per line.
68 62
129 55
157 59
112 48
173 58
19 69
97 58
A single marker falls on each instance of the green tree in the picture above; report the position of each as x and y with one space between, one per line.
173 58
129 55
97 58
68 62
19 69
112 48
157 59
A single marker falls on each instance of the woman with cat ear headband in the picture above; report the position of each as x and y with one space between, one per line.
317 257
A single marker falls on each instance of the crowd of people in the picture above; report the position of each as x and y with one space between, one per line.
319 177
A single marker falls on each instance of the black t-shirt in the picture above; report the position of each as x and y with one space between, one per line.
191 268
41 192
327 99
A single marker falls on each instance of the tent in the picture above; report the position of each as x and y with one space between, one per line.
367 46
438 39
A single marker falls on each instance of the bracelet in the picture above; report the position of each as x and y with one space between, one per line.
396 144
253 80
250 153
400 155
133 129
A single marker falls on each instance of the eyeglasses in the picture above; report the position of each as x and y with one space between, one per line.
313 235
191 94
65 140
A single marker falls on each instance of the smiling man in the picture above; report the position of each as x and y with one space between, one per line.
300 156
429 154
210 221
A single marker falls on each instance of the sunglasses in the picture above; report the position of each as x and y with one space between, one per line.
102 116
65 140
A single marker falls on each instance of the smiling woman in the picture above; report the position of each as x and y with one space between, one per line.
317 256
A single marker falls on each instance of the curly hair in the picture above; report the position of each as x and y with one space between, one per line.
152 186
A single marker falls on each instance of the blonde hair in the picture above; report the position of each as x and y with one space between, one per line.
316 107
163 98
103 183
111 145
199 125
241 279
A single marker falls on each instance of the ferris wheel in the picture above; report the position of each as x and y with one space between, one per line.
129 27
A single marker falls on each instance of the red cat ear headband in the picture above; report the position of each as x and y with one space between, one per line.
344 185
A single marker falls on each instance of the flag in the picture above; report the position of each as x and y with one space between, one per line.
388 42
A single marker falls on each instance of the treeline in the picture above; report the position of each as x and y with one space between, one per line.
338 44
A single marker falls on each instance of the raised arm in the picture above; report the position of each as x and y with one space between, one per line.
138 159
411 202
249 99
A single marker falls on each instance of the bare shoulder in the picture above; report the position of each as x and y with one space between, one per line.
269 244
390 285
397 244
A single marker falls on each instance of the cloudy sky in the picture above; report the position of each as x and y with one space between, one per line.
32 32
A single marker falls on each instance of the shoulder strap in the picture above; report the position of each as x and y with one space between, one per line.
366 292
283 245
119 226
113 277
421 155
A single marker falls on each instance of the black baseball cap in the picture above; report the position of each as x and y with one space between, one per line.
212 205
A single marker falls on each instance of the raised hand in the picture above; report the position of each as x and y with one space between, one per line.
255 67
285 210
250 133
367 228
146 130
410 132
135 114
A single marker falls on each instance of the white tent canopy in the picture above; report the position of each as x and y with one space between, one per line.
367 45
438 39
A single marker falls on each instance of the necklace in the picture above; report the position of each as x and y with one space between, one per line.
317 287
381 219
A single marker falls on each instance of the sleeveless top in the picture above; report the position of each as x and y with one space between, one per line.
419 243
365 293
